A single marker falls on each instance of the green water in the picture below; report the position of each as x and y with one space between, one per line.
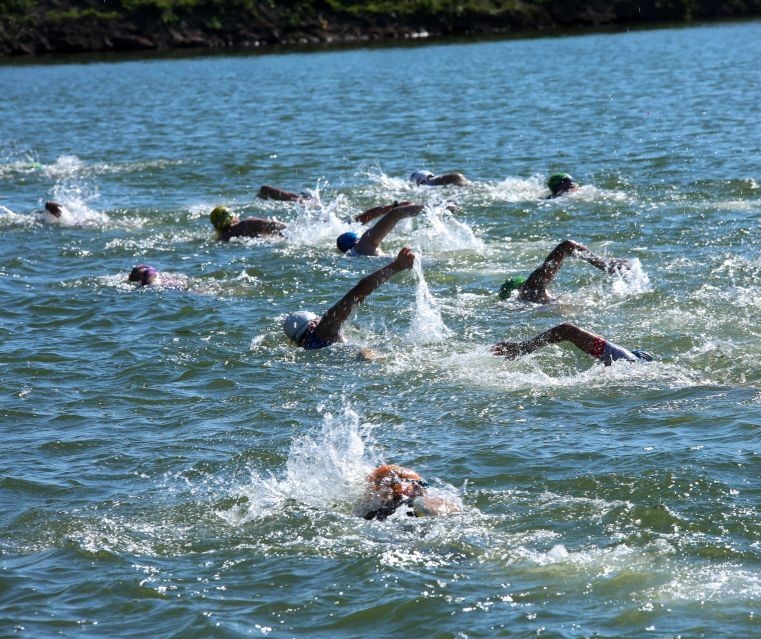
173 468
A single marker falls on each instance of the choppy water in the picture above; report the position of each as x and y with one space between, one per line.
172 468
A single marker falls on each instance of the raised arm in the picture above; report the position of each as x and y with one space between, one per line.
607 264
370 214
370 241
541 277
330 324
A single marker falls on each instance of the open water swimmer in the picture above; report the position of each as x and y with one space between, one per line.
229 226
426 178
560 184
391 488
311 332
534 287
593 345
369 242
144 275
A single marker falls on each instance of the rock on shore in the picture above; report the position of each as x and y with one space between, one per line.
31 27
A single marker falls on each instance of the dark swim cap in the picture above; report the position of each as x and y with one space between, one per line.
559 181
506 290
346 241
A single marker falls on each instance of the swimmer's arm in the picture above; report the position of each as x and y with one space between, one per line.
330 324
255 226
431 506
370 214
458 179
267 192
607 264
371 238
567 332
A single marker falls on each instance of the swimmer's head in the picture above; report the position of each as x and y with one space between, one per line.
511 284
561 183
421 177
144 275
221 218
296 324
392 481
346 241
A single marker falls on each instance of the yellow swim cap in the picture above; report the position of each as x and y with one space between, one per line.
221 218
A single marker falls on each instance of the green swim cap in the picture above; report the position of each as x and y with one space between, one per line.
221 218
506 290
556 181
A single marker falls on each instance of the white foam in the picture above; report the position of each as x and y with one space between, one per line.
65 166
513 189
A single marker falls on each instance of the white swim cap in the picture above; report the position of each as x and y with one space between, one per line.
421 177
296 324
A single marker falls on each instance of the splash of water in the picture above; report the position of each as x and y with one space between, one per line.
65 166
324 470
631 281
513 189
74 193
316 221
427 325
446 233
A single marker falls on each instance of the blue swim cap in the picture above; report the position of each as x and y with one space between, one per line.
346 241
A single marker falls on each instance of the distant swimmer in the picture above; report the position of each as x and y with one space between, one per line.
370 241
426 178
267 192
144 275
310 332
54 208
391 487
560 184
594 345
229 226
534 287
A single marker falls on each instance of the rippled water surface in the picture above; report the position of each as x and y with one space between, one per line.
173 468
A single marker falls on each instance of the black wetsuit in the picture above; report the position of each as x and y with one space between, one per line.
386 511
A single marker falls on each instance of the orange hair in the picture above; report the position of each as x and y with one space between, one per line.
389 475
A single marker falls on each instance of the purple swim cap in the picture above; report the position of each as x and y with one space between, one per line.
144 275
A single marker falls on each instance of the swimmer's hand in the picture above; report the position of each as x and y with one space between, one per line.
368 355
510 350
405 259
618 266
53 208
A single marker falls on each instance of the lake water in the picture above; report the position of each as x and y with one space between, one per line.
172 467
